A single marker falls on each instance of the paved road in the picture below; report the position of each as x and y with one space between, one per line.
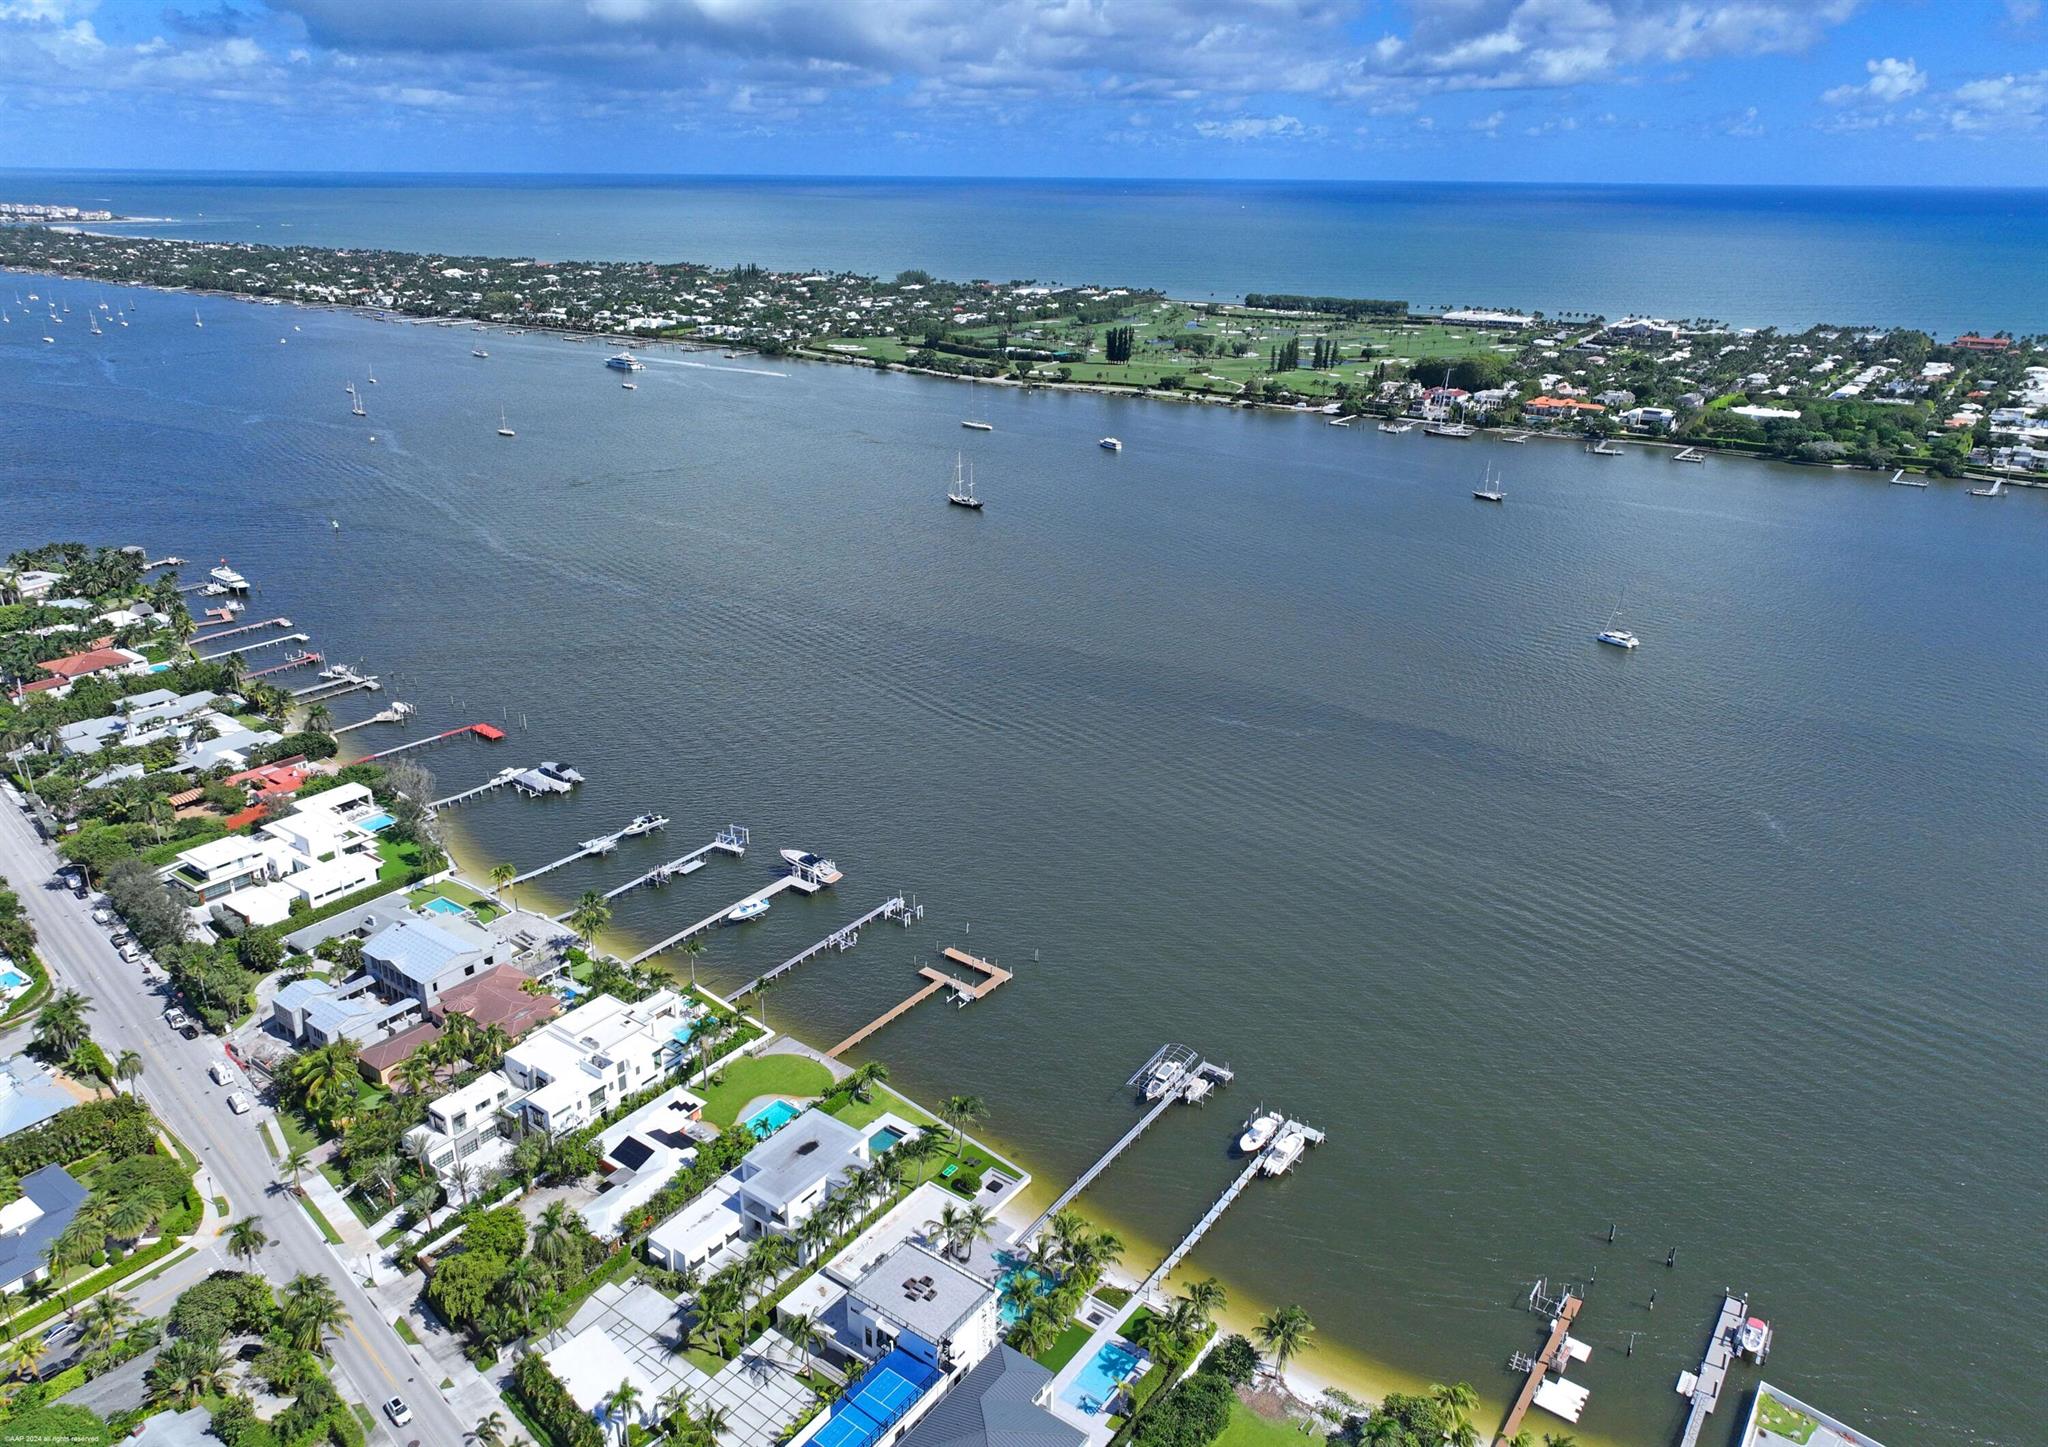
127 1015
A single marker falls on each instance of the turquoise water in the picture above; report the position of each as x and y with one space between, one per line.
1950 259
1011 1311
1261 736
441 905
11 978
1097 1383
884 1140
376 822
773 1117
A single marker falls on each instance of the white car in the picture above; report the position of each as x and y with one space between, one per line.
238 1102
221 1073
397 1411
131 953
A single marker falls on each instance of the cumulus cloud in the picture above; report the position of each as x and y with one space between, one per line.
1999 104
1251 128
1890 80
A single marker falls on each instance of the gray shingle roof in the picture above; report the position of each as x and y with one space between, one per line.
992 1406
53 1189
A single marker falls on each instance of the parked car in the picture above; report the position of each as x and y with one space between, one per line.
238 1102
103 917
131 952
221 1073
175 1018
397 1411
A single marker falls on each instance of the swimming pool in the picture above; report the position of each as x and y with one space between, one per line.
376 822
772 1117
1013 1311
441 904
884 1140
1096 1387
12 980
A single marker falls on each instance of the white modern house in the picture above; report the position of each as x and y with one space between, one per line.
470 1126
248 880
916 1301
788 1176
417 957
577 1066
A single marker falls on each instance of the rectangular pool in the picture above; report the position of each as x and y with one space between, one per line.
772 1117
1096 1387
376 822
884 1140
12 980
441 904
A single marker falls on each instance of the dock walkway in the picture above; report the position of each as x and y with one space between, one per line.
496 781
843 938
487 732
676 868
1551 1357
603 844
1713 1372
203 639
768 891
297 660
935 981
253 647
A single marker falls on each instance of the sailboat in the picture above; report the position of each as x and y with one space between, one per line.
1442 425
373 376
504 429
962 494
195 318
1619 638
1490 490
356 403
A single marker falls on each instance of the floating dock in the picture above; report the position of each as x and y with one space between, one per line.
1691 454
297 660
935 980
1186 1064
201 639
732 840
842 939
252 647
490 733
1707 1382
1554 1358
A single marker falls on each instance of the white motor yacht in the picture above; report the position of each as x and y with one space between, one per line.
1259 1131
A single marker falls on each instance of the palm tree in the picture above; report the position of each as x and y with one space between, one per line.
489 1430
553 1233
106 1317
312 1310
293 1167
23 1354
130 1215
128 1069
461 1178
1458 1401
424 1198
61 1027
415 1071
959 1112
919 1149
712 1423
1206 1298
246 1238
502 875
870 1073
693 947
319 718
671 1412
618 1407
188 1369
589 917
1285 1333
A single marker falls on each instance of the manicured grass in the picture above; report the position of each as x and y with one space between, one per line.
1247 1428
453 890
405 1332
1066 1346
269 1141
326 1227
793 1075
157 1271
300 1134
859 1113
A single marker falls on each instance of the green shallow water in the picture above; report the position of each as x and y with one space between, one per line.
1260 736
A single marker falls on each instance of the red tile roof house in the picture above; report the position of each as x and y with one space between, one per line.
1558 407
63 672
379 1062
497 997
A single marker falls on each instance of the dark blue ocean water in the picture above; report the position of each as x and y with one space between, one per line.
1948 260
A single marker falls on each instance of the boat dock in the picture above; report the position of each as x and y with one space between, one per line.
496 781
731 839
768 891
201 639
347 680
1997 489
1691 454
397 712
935 981
487 732
1554 1358
1705 1386
252 647
844 938
602 844
1899 479
1189 1065
1607 448
297 660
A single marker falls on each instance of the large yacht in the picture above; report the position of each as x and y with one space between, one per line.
625 362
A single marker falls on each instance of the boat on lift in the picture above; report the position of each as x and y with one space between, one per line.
1284 1152
745 910
812 866
1753 1339
1197 1089
603 844
645 824
1259 1132
1162 1079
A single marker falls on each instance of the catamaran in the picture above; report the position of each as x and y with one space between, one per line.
1490 489
1618 637
962 494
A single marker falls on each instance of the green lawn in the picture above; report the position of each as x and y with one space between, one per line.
449 889
792 1075
1066 1346
320 1219
400 861
300 1134
887 1102
1247 1428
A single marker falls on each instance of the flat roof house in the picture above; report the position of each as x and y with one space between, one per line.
917 1301
788 1176
467 1126
577 1066
419 958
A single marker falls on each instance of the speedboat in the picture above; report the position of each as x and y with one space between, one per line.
1110 444
745 910
478 352
1619 637
1196 1089
646 824
1258 1131
629 386
625 362
603 844
1284 1153
1753 1339
979 426
1163 1078
812 866
561 773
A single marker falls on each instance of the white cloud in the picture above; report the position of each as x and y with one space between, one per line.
1251 128
1999 104
1490 125
1890 80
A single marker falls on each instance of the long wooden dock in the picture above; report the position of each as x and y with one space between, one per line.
496 781
297 660
676 868
1551 1358
1713 1373
767 891
602 844
935 981
253 647
348 682
490 733
843 938
199 639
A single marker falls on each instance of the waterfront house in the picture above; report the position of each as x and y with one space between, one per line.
579 1065
1003 1402
642 1153
788 1176
498 996
113 662
31 1221
417 958
692 1238
917 1301
1547 406
243 881
472 1127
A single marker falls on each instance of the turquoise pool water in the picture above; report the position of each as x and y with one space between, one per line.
376 822
1012 1312
884 1139
441 904
12 979
772 1117
1096 1386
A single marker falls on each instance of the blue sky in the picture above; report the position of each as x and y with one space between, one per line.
1797 91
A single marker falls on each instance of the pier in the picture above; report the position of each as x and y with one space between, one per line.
935 981
297 660
252 647
346 681
844 938
496 781
202 639
1691 454
396 713
487 732
731 840
1997 489
602 844
1186 1065
1555 1357
1705 1386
